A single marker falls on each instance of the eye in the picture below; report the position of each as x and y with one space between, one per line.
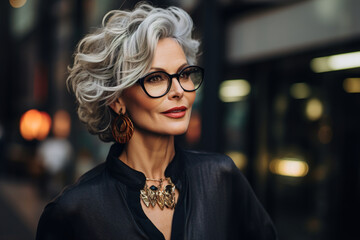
184 75
155 78
187 72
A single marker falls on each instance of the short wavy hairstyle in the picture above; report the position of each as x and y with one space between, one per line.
117 54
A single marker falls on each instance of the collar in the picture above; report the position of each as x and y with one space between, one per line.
136 179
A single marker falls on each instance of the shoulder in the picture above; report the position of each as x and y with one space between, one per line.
199 159
74 194
216 166
56 221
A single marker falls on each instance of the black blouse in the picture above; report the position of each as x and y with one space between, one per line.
215 202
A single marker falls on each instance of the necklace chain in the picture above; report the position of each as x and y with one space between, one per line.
155 180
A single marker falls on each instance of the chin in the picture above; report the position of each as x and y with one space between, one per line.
175 129
180 132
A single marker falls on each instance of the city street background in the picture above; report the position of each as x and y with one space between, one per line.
281 97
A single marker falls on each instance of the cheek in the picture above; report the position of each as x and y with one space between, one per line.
139 105
191 98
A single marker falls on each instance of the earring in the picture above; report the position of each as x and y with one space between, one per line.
122 128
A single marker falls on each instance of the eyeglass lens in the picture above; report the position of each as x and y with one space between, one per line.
157 83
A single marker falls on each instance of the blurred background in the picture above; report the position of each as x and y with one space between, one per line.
281 97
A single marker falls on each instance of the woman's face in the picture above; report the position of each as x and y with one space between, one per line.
157 115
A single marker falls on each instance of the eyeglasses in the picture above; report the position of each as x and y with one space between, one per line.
157 84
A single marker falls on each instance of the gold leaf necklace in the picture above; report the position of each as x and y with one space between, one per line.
157 195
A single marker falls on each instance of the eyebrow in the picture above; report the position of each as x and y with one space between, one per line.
162 69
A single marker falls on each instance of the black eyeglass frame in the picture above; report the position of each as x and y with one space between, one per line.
171 76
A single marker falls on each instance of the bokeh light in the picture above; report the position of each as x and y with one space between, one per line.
325 134
234 90
291 167
300 90
193 133
336 62
62 124
45 126
314 109
17 3
35 125
352 85
239 159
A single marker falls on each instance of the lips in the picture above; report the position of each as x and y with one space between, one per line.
176 112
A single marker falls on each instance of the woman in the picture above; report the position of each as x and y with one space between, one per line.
135 82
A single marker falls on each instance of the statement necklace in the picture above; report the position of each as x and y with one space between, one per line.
157 195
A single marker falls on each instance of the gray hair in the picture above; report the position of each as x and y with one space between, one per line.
117 54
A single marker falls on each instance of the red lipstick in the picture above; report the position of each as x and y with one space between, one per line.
176 112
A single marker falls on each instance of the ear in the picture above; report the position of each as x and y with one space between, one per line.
118 105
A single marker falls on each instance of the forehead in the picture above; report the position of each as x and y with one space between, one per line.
168 55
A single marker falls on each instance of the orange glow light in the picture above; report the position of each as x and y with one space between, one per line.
194 130
45 126
62 124
17 3
35 124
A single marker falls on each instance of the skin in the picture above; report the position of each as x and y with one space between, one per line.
151 147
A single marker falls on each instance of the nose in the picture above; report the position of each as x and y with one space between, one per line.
176 90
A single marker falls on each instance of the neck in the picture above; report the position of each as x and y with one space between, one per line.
149 153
